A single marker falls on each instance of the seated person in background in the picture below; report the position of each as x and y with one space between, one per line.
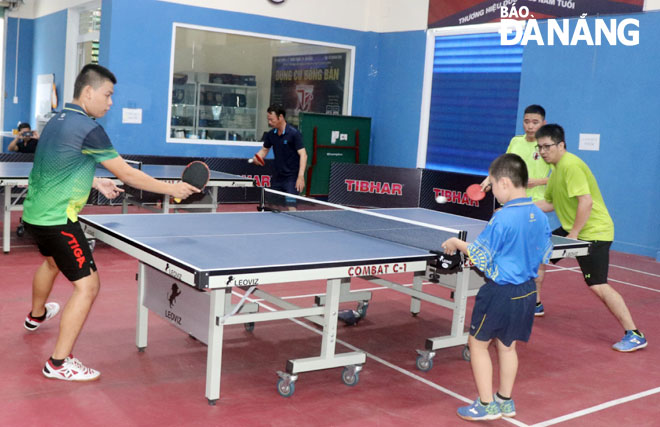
26 140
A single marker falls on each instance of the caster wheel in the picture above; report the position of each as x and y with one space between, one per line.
284 389
362 309
466 353
249 326
424 364
350 377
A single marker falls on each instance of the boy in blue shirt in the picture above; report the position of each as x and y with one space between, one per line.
509 251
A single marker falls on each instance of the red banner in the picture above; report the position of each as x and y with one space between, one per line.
449 13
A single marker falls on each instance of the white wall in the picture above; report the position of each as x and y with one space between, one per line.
651 5
362 15
32 9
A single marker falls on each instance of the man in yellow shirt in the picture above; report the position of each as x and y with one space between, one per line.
537 169
573 193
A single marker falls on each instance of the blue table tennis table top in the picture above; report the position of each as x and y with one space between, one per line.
21 171
248 242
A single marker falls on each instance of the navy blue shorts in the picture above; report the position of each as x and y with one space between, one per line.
287 185
505 312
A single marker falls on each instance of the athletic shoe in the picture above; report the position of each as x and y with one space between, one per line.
538 310
479 412
71 370
507 407
31 324
630 342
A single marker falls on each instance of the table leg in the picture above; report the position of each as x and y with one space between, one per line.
142 311
215 336
416 303
6 223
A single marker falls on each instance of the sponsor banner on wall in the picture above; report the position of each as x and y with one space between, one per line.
374 186
261 175
449 13
310 83
452 185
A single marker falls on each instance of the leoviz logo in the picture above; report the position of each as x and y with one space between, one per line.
172 272
605 31
171 297
175 292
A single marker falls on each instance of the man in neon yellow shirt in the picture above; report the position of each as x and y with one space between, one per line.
537 169
573 193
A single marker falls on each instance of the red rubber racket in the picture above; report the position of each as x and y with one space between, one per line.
475 192
257 159
196 174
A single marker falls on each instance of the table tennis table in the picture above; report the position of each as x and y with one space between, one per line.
189 265
16 174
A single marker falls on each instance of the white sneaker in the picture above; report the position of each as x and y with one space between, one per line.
31 324
71 370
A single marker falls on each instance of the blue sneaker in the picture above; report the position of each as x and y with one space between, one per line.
630 342
507 407
538 310
479 412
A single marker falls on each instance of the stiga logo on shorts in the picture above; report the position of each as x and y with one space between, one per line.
75 248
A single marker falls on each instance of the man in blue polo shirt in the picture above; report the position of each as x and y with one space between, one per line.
290 155
508 251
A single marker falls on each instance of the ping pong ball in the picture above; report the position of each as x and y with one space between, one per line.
441 199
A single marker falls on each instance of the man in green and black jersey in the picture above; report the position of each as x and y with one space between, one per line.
71 145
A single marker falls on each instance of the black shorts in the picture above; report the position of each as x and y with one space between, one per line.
596 265
505 312
67 245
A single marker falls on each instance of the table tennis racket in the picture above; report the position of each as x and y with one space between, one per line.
196 174
475 192
257 159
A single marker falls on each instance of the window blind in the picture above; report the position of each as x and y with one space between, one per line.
474 101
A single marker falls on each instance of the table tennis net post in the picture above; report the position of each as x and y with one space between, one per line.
408 232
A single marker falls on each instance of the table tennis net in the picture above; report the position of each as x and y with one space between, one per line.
411 233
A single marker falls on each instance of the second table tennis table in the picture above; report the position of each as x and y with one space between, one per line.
463 281
16 174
